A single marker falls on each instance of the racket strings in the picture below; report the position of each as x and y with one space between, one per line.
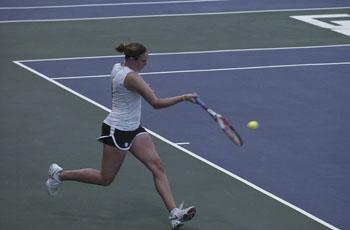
230 132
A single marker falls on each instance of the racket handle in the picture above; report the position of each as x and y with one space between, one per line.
200 102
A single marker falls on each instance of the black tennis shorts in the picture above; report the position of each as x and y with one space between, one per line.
118 138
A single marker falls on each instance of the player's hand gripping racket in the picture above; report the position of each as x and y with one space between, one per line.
223 123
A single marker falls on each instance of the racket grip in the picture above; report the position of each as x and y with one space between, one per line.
200 102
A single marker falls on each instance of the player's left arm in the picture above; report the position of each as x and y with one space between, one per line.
136 83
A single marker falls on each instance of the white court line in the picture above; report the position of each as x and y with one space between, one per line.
173 15
81 77
211 70
105 4
182 143
309 215
192 52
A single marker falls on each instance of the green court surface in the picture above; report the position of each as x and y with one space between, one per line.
41 123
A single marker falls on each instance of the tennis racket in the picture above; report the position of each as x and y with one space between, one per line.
223 123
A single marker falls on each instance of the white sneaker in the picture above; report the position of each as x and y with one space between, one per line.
175 224
180 215
53 182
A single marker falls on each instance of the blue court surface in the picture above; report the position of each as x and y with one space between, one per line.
300 152
299 94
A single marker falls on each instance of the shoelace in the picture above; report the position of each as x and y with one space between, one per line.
181 205
173 216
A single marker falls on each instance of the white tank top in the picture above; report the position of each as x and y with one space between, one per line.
126 105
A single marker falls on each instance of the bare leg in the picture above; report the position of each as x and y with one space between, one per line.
111 162
144 150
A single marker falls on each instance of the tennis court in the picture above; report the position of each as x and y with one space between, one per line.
285 64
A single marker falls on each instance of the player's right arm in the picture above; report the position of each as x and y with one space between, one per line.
135 83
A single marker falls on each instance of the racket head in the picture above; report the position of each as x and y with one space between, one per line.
229 130
223 123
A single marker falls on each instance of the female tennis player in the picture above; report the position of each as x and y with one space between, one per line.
122 132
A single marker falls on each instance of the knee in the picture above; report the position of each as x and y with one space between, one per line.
106 180
158 167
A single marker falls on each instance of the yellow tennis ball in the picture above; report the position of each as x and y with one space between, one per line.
253 124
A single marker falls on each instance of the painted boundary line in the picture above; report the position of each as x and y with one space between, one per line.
194 52
211 70
322 222
105 4
175 15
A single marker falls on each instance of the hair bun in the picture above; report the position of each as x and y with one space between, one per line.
132 49
120 48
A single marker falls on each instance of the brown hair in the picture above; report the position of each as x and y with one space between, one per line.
132 49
